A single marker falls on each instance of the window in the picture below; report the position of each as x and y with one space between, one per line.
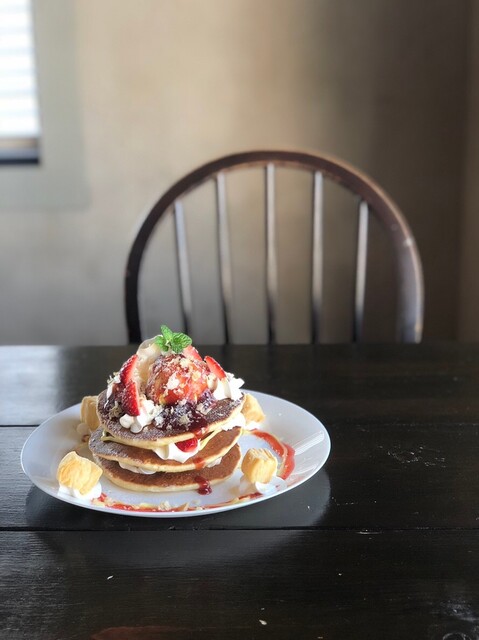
58 182
19 118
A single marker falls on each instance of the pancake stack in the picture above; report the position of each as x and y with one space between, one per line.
170 421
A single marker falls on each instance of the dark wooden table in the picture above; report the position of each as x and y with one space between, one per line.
382 543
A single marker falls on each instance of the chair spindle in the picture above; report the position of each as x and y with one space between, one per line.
183 265
361 262
226 278
271 259
317 256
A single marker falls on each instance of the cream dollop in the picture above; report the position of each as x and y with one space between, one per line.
114 380
134 469
172 452
147 353
148 412
236 421
251 425
264 488
74 493
227 387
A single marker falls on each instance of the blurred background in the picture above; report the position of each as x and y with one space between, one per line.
133 94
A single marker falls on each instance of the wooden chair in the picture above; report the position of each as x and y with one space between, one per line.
371 200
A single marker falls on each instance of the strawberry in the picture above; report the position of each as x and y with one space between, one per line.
192 353
126 372
215 368
187 445
130 399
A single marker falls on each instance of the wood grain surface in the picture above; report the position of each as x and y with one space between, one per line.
405 384
240 584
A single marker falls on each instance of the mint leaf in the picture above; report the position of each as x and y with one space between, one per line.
161 342
180 341
168 339
167 333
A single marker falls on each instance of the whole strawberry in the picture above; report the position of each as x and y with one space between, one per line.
174 377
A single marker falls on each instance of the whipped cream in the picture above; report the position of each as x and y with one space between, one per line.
148 412
236 421
147 353
74 493
227 387
215 463
115 379
251 425
134 469
264 488
172 452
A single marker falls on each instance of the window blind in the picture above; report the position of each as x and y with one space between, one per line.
19 117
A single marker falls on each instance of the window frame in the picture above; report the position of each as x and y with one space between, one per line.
19 144
58 181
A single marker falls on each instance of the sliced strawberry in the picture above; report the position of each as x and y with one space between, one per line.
130 399
215 368
187 445
191 352
126 372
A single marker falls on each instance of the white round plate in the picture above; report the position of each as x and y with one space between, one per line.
288 422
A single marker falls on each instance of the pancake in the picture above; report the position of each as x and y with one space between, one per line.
159 482
180 422
216 447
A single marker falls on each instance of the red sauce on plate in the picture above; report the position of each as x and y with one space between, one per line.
205 487
284 451
113 504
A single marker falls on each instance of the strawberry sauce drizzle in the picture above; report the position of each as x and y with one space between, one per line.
200 463
284 451
205 487
288 463
113 504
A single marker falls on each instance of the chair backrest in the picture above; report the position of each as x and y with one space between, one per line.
371 200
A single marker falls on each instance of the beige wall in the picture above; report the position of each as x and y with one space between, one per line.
144 90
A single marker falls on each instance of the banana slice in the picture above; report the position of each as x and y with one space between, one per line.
259 465
88 413
252 410
78 473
